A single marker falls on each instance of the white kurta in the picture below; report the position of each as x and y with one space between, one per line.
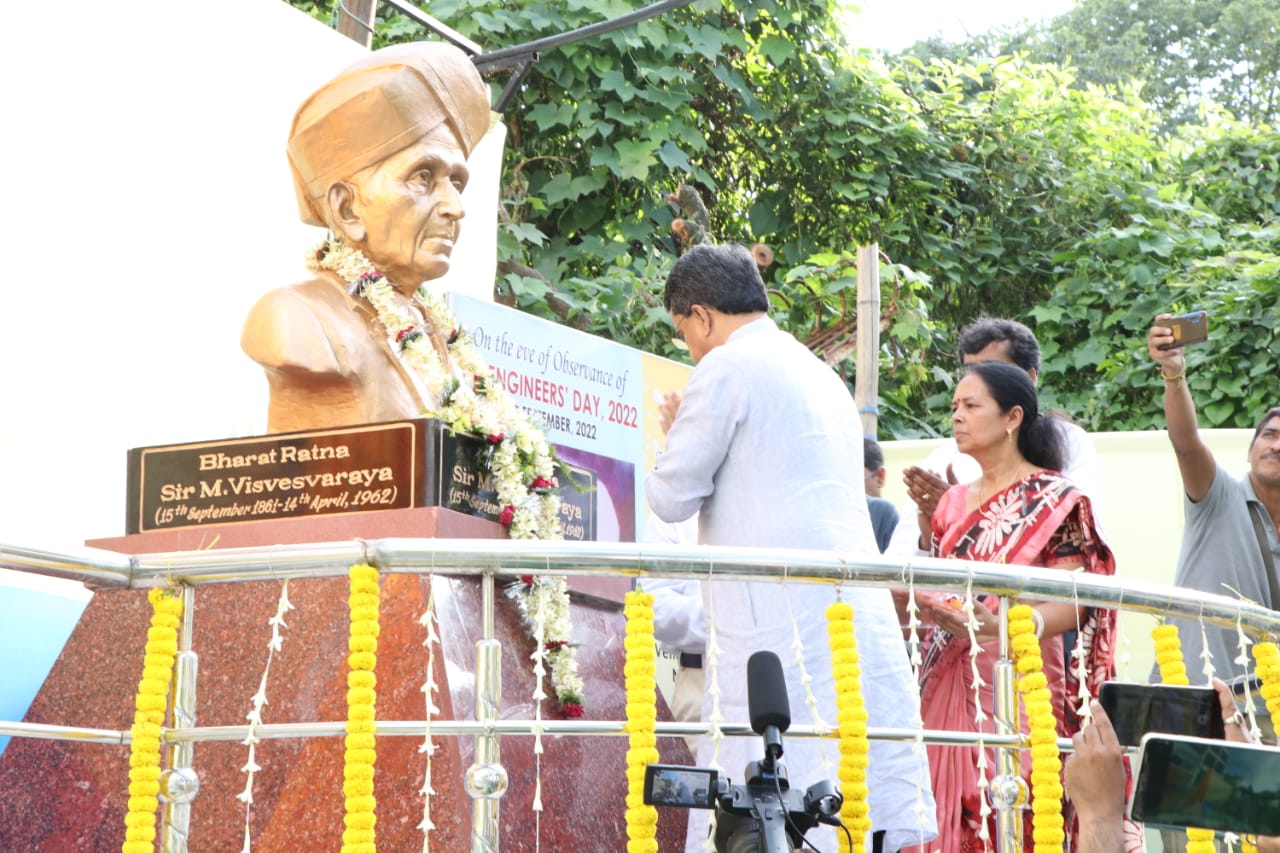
767 447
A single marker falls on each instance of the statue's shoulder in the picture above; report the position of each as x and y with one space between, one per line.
302 323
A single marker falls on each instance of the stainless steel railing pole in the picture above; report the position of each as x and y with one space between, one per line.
486 778
179 784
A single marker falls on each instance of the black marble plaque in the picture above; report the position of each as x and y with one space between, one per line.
391 465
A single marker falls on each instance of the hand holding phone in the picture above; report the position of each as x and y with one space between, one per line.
1137 709
1187 329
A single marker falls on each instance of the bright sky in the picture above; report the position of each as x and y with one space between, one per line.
895 24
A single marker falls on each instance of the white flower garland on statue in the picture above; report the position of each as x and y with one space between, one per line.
469 401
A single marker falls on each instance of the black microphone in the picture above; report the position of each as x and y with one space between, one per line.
767 701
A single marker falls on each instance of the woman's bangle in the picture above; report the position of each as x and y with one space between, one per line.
1179 375
1038 621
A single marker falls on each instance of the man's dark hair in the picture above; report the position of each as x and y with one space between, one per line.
1273 412
872 455
1024 349
1039 440
724 277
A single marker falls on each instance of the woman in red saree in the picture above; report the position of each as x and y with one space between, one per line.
1020 511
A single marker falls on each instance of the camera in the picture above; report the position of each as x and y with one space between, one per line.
763 815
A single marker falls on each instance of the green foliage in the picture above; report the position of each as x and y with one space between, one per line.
996 186
1173 252
1178 52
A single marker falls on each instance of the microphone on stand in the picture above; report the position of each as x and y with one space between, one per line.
767 703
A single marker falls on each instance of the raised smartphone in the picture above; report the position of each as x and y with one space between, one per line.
1136 709
1190 328
1213 784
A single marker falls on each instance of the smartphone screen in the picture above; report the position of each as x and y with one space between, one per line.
1136 709
1230 787
679 785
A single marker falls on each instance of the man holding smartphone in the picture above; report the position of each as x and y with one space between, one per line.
1229 542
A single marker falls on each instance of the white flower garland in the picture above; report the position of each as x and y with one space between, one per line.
918 747
1079 662
979 714
544 608
429 689
470 401
251 766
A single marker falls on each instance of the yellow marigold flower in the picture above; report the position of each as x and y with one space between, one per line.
1032 681
362 679
358 788
362 660
357 771
839 611
362 643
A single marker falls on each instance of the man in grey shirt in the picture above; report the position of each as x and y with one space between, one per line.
1221 552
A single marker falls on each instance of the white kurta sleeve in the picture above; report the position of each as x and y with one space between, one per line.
712 408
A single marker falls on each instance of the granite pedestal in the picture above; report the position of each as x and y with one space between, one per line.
66 797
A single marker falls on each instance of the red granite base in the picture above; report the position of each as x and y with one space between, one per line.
60 797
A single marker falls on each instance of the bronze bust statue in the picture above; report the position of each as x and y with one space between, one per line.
379 157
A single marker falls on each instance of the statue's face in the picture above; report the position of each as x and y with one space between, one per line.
411 207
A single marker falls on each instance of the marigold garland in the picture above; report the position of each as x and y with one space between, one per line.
1267 657
851 720
150 705
360 815
1046 763
1174 671
642 716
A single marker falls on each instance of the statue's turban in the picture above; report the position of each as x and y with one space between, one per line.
379 106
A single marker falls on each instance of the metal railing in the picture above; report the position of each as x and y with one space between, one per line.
489 558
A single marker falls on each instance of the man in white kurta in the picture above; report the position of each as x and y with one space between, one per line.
767 447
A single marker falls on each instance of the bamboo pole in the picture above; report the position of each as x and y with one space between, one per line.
866 383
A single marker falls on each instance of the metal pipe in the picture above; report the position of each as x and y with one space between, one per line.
1008 791
468 728
179 784
420 17
486 779
486 606
96 569
75 734
468 557
515 54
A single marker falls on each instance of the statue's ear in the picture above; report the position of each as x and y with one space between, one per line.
343 218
